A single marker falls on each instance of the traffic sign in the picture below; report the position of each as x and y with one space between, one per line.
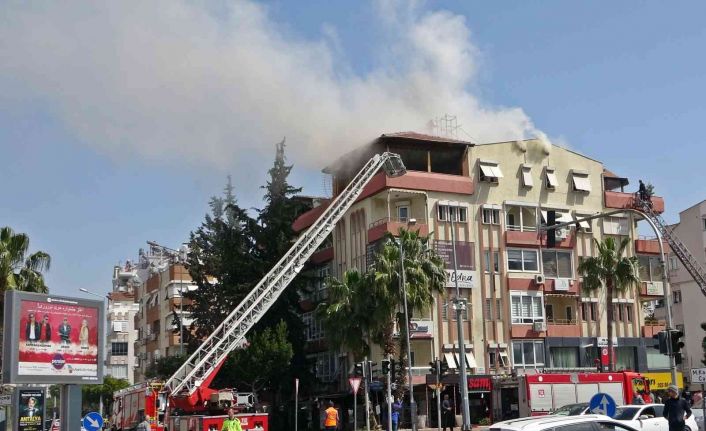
355 384
376 386
602 404
93 421
698 375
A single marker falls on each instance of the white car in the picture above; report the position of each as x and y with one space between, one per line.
649 417
697 410
562 423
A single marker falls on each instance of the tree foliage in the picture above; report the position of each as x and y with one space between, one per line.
92 394
164 367
612 270
18 268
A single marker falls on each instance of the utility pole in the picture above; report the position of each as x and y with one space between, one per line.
366 375
412 403
388 377
438 394
460 306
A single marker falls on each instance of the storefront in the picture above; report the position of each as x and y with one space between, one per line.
480 403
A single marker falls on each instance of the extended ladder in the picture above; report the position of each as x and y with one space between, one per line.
679 249
231 332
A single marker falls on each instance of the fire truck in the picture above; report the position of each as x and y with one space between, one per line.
543 393
186 401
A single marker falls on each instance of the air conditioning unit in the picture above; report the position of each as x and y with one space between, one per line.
539 327
562 233
539 279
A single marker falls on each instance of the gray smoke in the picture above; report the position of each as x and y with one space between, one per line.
176 80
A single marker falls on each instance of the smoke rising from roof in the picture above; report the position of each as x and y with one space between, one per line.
175 80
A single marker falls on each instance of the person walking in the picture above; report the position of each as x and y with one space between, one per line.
448 419
232 423
675 409
396 408
332 420
144 424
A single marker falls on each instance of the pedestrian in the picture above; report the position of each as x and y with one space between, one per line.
332 420
396 408
448 418
144 424
675 409
637 399
232 423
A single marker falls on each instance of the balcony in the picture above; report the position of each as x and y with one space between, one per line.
515 238
619 200
563 328
650 329
378 228
322 255
652 289
176 302
173 339
526 331
417 180
649 246
561 286
153 313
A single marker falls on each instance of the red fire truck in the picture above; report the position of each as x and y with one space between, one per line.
543 393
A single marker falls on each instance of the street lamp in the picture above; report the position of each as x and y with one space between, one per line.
412 403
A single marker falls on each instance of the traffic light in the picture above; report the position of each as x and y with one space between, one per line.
385 366
443 368
661 342
432 367
393 367
358 369
677 345
369 371
551 233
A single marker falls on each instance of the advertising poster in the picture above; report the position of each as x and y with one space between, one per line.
57 339
30 411
464 259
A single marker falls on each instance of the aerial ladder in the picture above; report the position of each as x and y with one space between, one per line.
188 389
680 251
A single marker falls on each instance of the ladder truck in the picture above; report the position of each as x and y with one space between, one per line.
186 394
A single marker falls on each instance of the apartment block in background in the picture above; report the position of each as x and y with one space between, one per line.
121 333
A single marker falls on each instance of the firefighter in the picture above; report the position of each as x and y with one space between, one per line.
232 423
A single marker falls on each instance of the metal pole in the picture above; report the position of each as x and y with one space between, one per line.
389 396
366 374
355 410
665 278
412 403
459 305
296 405
438 394
703 400
181 313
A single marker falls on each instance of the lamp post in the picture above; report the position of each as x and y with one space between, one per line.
460 307
403 287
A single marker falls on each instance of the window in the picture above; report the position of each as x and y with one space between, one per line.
569 314
550 179
403 213
488 309
120 325
321 285
650 268
549 310
313 328
677 296
496 259
580 181
616 226
588 311
703 220
499 309
522 260
118 371
625 358
628 312
581 426
593 307
521 218
497 358
324 364
491 216
490 171
445 311
458 212
656 360
673 263
621 312
557 264
564 357
528 353
527 307
118 349
527 177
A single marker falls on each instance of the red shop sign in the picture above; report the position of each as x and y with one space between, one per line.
479 383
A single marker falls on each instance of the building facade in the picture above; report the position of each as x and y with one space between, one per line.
526 310
688 301
121 332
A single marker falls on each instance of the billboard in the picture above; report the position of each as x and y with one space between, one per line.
52 339
30 409
465 262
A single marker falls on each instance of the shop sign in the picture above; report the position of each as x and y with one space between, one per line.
480 384
662 381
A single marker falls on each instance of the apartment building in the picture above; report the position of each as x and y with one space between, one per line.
121 332
526 310
160 306
688 302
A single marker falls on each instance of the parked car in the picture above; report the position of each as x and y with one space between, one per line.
562 423
572 410
648 417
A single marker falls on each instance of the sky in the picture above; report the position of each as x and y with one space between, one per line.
118 120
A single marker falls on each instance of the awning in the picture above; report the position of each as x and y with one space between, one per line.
491 170
450 361
411 192
581 182
561 217
527 177
492 207
551 179
471 360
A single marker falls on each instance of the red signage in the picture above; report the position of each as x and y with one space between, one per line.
479 384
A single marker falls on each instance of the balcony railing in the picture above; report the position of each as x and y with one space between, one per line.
377 229
519 228
562 321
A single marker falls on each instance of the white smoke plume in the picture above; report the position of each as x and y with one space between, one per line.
176 80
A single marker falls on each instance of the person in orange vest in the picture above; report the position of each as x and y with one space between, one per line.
331 421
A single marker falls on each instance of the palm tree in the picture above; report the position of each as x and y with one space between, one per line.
18 270
424 275
610 268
